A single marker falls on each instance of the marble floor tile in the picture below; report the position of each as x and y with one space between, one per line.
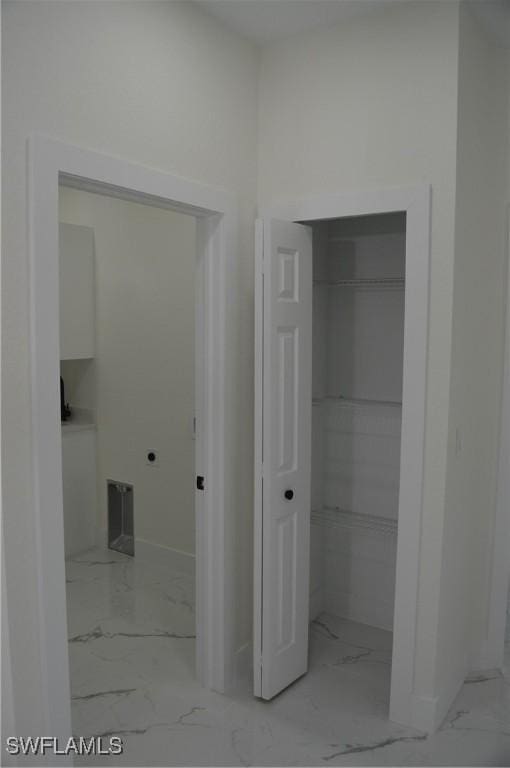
132 646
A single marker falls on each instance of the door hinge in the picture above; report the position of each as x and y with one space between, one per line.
200 483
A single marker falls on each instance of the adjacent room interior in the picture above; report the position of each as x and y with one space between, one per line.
127 325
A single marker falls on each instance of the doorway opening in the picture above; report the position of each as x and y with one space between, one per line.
357 370
340 430
51 163
127 372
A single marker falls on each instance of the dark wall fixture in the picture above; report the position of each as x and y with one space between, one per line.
65 411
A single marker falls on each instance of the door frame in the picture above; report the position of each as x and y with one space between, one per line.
406 704
494 642
51 162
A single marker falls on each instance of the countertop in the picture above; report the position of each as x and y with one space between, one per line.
81 419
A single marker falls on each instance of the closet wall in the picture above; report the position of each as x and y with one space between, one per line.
358 325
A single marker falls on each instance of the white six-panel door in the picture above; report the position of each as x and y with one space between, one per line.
283 399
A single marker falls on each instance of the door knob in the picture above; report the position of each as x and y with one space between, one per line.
289 494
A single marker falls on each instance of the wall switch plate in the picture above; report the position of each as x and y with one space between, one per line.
152 457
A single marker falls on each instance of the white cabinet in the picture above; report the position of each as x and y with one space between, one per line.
79 487
77 292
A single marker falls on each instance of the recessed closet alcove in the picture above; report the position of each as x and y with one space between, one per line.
358 343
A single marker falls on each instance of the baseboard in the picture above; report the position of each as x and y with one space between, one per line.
447 694
428 712
101 538
243 664
316 603
183 562
491 656
360 608
155 554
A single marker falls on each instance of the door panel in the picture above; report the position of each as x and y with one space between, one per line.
283 397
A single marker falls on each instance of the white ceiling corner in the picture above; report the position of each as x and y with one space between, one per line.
267 21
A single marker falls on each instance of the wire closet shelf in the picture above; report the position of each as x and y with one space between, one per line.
365 282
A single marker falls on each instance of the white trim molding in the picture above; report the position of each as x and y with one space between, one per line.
8 725
154 554
493 651
51 162
415 202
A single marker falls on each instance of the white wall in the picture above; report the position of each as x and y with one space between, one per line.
357 561
157 83
507 633
477 350
366 326
373 103
358 353
144 359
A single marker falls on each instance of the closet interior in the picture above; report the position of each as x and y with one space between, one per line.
358 343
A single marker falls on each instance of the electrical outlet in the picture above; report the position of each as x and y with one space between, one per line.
151 457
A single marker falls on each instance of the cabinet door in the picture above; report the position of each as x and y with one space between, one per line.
283 366
77 292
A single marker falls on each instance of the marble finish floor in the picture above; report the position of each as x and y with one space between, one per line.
131 643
